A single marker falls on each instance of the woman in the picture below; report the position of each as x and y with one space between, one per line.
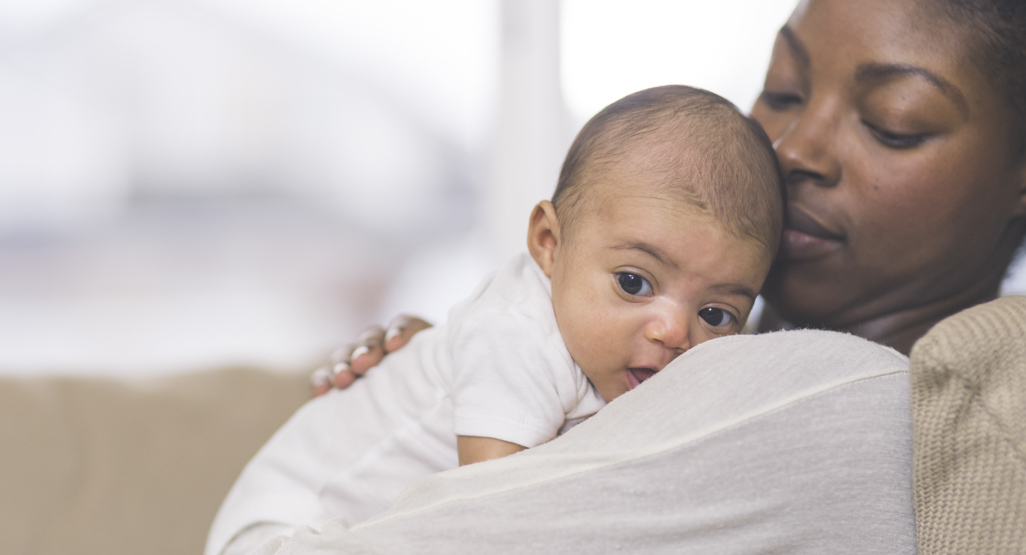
904 163
899 125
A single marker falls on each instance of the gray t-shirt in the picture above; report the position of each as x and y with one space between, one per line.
788 442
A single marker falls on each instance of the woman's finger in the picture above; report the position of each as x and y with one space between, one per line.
338 366
320 381
400 330
368 350
350 362
342 376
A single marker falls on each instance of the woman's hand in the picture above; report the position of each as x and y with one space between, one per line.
356 358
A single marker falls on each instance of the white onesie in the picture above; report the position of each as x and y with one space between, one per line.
498 368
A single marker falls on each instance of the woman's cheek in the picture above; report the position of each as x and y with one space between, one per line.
894 190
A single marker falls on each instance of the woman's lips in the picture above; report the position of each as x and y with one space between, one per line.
637 375
805 237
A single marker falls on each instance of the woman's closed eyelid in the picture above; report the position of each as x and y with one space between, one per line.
897 141
780 101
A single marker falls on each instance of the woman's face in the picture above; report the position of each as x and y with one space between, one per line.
901 175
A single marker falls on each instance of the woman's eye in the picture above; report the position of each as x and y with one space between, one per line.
633 284
896 140
779 101
716 317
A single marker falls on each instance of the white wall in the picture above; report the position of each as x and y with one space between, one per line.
193 182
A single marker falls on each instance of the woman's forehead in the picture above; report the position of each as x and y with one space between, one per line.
866 39
856 29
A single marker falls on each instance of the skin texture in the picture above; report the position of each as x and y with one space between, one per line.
905 191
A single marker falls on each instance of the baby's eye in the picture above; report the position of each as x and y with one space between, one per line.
716 317
633 284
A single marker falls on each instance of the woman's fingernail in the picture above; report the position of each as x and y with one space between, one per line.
359 351
392 332
321 377
344 379
339 367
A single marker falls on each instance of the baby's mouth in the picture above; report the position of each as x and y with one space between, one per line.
637 375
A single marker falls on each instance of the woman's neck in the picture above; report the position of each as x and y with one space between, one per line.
902 328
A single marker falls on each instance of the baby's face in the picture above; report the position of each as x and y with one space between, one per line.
644 279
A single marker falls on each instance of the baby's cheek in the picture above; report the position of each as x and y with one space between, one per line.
596 344
704 335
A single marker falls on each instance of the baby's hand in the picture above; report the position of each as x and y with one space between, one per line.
356 358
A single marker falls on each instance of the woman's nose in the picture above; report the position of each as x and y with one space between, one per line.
670 330
806 148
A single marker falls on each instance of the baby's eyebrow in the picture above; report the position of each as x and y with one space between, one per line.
736 289
649 250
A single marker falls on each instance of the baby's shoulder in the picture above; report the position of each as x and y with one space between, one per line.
515 297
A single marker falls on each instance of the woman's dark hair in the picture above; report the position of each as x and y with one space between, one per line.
998 29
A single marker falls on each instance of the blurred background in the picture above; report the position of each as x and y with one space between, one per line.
190 183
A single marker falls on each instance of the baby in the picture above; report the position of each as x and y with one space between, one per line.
665 220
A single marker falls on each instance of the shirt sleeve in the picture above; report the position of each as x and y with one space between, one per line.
513 380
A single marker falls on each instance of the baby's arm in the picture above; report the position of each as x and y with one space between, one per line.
514 385
474 449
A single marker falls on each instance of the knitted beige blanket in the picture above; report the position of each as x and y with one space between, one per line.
969 418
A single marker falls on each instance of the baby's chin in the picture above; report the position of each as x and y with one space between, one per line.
636 376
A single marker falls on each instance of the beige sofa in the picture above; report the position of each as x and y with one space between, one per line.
104 466
111 467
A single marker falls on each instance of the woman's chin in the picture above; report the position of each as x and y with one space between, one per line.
797 300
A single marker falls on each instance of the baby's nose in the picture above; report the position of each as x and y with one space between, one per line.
671 331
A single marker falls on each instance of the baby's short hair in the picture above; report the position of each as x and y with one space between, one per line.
711 155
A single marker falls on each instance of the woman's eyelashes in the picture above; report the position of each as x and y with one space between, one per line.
897 141
633 284
717 317
779 101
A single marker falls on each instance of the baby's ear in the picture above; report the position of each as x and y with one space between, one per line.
543 236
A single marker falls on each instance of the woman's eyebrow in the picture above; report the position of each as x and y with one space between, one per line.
870 72
797 48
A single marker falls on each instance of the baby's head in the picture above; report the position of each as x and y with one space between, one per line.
666 218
